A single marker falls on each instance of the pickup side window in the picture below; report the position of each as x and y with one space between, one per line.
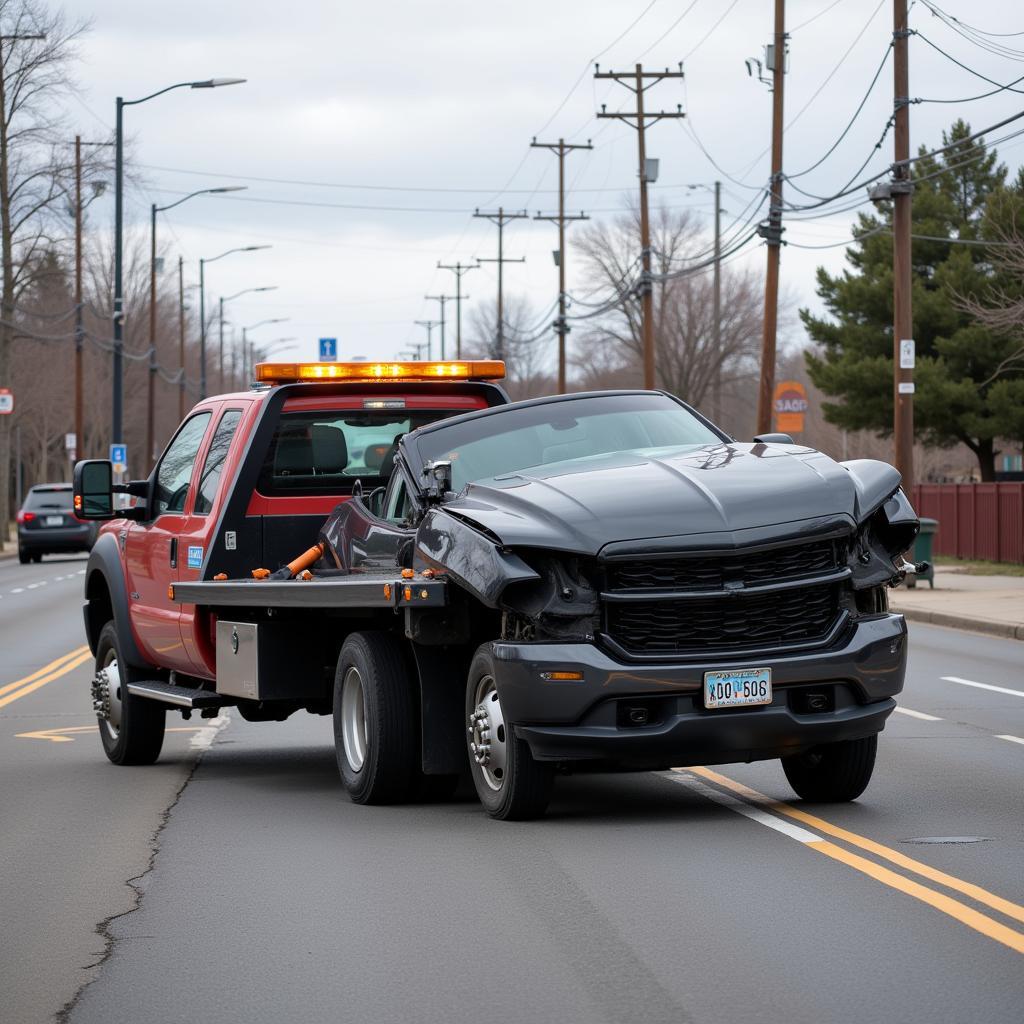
215 457
175 472
398 507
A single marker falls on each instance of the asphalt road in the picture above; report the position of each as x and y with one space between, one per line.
686 896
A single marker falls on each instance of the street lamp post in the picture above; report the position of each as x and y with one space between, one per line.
151 387
249 349
202 308
220 321
117 399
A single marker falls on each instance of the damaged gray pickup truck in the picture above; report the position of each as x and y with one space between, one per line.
589 582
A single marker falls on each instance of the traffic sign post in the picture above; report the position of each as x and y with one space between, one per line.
328 350
119 457
6 402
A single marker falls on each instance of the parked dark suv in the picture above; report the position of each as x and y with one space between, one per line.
47 524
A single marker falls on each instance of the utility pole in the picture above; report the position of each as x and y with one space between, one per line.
220 347
79 325
771 231
902 191
458 269
430 325
151 378
181 338
561 327
640 120
442 299
500 218
717 305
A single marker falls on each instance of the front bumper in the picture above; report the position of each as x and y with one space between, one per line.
583 721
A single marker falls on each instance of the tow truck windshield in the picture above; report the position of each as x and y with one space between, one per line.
516 439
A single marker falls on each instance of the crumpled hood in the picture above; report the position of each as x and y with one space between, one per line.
583 505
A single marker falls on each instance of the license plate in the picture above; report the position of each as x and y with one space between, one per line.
737 687
54 520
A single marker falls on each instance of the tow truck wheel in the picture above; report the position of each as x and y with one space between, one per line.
131 728
376 736
833 772
511 785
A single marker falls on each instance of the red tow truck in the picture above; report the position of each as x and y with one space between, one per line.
247 481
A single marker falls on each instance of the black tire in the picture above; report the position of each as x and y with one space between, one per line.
384 767
37 557
23 556
833 772
139 734
523 789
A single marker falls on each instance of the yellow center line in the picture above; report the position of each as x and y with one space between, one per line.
32 683
77 652
975 892
946 904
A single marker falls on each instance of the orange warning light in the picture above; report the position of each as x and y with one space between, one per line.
290 373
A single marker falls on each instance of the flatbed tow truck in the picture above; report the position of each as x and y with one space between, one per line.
603 581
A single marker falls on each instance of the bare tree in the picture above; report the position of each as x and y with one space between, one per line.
37 47
529 345
687 360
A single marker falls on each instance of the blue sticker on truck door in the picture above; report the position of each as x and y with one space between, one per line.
195 557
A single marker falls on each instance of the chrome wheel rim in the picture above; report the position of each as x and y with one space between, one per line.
108 686
353 719
488 740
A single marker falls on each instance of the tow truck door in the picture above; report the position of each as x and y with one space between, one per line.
152 548
196 538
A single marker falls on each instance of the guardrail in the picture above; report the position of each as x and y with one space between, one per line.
984 521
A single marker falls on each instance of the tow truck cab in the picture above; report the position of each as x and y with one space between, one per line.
248 479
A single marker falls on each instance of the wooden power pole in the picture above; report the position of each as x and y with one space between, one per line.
79 325
902 190
771 231
560 148
501 217
458 269
641 120
181 339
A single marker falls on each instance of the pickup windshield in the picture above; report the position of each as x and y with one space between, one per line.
515 439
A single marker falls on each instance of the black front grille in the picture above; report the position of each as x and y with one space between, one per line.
736 622
721 614
710 572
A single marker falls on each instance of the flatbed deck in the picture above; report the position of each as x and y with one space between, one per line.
385 589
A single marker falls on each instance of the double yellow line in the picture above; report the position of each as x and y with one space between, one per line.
940 901
60 667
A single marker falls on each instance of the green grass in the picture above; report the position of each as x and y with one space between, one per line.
980 568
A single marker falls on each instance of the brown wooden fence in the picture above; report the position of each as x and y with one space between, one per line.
975 520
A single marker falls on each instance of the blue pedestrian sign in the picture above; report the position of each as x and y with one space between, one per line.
119 456
328 350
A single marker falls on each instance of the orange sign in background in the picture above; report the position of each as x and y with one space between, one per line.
790 405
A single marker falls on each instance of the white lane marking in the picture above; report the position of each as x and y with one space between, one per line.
801 835
1012 739
919 714
18 590
81 572
32 586
983 686
203 738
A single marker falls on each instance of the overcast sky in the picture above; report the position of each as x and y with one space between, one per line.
389 123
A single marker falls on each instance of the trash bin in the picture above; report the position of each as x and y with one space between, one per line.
923 551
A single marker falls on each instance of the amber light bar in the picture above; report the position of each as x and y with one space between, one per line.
284 373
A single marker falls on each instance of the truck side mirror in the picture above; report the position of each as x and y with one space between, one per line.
93 489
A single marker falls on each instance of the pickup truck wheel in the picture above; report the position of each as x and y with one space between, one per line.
511 785
376 736
131 728
833 772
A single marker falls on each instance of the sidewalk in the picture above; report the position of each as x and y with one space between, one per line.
985 604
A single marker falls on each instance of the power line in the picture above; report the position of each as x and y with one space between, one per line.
804 24
707 35
667 31
967 68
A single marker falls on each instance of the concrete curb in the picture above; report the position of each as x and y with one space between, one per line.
1007 630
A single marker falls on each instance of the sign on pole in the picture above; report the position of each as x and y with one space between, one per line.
6 402
119 457
790 405
328 350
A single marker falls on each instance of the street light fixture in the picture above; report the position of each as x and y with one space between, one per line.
202 309
117 403
249 349
220 326
151 387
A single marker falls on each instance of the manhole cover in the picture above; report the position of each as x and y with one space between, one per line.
949 840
